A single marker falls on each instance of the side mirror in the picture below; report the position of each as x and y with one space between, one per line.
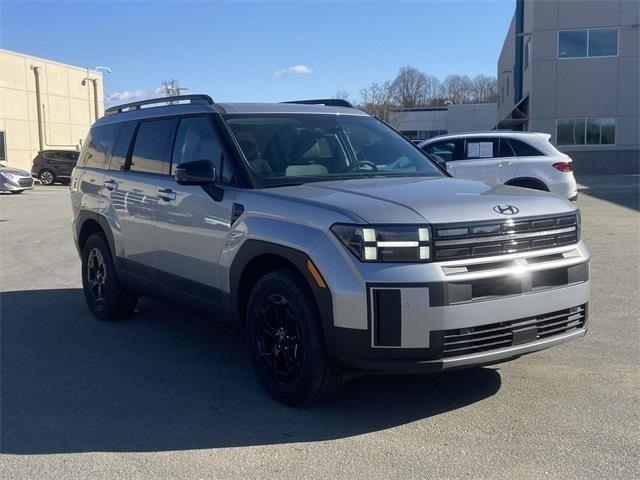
197 172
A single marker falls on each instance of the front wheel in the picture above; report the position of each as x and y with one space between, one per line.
287 346
105 296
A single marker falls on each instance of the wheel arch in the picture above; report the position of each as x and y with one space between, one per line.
256 258
89 223
522 181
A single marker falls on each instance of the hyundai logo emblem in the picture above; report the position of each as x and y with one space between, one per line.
506 209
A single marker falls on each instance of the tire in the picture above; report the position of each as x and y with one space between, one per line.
105 296
287 346
46 177
531 184
16 192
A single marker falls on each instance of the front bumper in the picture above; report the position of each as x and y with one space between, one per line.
11 185
419 318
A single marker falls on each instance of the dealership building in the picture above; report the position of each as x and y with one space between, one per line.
44 105
571 69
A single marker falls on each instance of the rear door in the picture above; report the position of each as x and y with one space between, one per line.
191 227
480 159
131 185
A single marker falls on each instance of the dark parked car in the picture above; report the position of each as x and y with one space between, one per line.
51 166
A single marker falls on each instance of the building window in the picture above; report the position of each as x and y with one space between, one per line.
586 131
3 148
595 42
527 54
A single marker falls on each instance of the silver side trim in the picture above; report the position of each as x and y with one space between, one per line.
504 353
499 238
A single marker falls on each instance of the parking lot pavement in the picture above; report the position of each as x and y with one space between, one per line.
167 394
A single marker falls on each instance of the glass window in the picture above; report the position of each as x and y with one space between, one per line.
481 148
447 150
527 54
311 147
3 150
586 131
505 149
152 147
572 43
607 131
98 145
196 140
121 147
603 42
523 149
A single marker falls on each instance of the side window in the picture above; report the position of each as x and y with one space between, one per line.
197 139
481 148
505 149
99 143
524 150
121 147
152 147
447 150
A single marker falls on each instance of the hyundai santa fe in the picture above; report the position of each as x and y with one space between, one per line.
337 245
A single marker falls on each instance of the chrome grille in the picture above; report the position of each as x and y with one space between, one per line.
459 241
25 182
466 341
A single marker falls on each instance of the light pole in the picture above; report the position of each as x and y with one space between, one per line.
95 87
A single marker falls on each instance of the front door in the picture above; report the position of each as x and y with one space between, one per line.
191 227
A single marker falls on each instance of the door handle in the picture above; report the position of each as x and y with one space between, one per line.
110 184
504 164
166 194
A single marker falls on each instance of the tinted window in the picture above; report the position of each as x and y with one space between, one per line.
523 149
152 147
99 143
505 149
447 150
572 43
121 147
603 42
570 131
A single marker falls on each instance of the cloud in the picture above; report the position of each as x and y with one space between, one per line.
128 96
293 70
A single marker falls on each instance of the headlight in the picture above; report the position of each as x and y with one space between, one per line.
386 243
9 176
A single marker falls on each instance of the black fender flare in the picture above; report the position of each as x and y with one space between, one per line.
102 221
252 249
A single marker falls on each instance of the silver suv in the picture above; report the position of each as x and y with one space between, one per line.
336 244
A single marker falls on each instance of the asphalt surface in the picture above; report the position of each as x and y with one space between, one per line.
171 395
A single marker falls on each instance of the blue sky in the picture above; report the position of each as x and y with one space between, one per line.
260 51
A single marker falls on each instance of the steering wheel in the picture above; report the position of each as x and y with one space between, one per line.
356 166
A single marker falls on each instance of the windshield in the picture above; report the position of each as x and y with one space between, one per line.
298 148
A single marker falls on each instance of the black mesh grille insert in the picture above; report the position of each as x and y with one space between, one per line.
466 341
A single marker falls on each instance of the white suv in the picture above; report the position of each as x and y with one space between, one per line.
520 159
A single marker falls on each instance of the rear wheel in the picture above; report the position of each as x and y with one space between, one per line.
105 296
287 346
528 183
46 177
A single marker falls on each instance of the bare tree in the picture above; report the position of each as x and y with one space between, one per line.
410 88
458 88
378 101
341 94
485 89
170 88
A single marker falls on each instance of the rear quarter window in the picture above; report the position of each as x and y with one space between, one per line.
98 146
523 149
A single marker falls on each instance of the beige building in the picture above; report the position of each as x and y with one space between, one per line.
44 105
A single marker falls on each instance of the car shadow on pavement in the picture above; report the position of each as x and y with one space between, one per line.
169 380
622 190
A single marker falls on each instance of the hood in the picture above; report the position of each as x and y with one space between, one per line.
431 200
15 171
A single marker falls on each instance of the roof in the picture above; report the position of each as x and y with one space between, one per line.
227 108
233 108
492 133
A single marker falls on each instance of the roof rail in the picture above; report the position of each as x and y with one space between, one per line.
329 102
196 99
